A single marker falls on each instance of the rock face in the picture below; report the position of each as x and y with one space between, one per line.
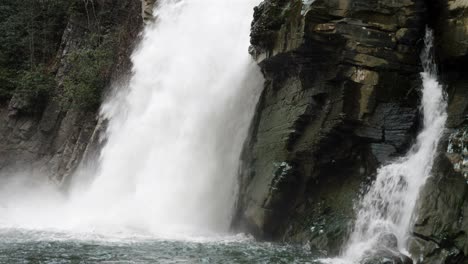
453 29
340 99
441 229
386 253
147 9
440 234
56 138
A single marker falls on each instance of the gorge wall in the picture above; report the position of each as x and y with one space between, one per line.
94 49
341 98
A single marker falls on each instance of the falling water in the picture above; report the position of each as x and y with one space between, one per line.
389 205
173 146
174 136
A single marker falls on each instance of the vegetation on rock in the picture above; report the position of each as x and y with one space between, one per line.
88 73
31 33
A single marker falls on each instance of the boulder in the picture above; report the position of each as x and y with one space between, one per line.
386 256
386 252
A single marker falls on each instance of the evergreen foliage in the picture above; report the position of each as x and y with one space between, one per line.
87 76
30 35
31 32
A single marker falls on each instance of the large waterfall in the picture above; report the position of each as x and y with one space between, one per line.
388 207
169 163
174 135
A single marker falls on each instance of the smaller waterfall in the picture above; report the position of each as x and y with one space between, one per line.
388 206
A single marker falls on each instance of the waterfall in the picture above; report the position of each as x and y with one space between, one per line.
175 134
388 207
174 141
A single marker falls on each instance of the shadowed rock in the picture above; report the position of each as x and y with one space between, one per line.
386 252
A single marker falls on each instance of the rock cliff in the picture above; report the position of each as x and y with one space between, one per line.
341 98
441 229
56 137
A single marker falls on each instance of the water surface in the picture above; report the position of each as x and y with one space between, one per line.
28 246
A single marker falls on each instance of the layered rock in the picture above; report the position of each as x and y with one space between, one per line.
341 97
441 231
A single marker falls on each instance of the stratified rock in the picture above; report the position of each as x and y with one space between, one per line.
340 98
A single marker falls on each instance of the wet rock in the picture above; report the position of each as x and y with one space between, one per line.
453 28
457 150
426 251
147 7
386 252
388 240
386 256
383 152
340 98
440 234
441 228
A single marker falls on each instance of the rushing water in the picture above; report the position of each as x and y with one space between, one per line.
174 135
388 207
174 141
165 184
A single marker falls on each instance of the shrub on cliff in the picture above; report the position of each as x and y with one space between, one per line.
31 33
32 90
88 73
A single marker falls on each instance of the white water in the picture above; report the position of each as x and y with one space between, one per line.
389 205
174 136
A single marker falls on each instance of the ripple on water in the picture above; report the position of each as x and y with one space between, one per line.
29 246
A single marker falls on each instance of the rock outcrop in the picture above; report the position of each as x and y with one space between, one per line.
147 9
440 233
54 140
341 98
386 253
441 229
